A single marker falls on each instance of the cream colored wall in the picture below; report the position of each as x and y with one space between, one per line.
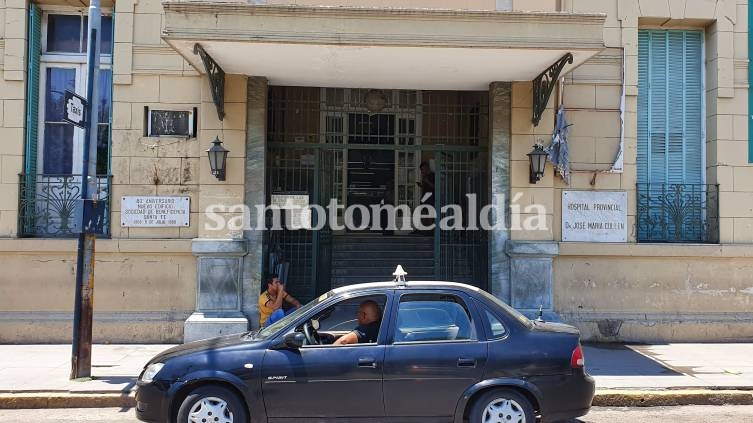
12 94
145 279
144 290
649 293
642 291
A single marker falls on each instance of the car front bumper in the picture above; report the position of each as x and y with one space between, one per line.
565 397
152 402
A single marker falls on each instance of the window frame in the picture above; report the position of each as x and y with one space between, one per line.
383 329
77 62
470 307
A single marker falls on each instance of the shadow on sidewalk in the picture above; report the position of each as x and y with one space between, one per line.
619 360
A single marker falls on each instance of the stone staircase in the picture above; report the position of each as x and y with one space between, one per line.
359 258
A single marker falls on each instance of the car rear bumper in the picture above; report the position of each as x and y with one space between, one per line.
565 397
152 402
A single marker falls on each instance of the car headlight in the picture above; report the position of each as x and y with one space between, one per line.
151 371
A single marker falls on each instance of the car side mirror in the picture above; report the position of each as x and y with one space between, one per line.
294 340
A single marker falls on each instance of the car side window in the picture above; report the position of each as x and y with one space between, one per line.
346 316
494 326
433 317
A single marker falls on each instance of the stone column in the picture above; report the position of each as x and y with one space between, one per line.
220 248
218 297
255 193
531 271
499 167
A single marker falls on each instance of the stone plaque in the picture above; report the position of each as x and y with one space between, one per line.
594 216
154 212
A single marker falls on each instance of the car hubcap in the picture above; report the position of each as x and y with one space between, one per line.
503 410
210 410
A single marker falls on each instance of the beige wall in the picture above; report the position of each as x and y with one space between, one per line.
144 290
145 279
650 293
151 274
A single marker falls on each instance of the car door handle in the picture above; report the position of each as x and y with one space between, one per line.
466 362
367 362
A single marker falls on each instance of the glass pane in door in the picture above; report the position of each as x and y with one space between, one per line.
57 156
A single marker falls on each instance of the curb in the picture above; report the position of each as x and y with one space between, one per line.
603 398
66 400
645 398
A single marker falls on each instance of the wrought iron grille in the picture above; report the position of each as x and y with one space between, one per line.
678 213
323 141
50 206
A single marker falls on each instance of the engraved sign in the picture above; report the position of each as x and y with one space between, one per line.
154 212
594 216
297 203
170 123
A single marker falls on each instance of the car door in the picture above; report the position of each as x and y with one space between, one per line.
325 381
434 354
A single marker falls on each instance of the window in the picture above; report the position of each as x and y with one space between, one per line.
344 317
673 202
66 33
49 203
494 326
63 67
433 317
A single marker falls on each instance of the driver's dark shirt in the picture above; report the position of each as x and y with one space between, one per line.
367 333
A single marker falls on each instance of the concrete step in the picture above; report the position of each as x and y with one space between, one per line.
369 262
382 255
382 272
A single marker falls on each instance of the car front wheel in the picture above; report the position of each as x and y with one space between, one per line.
502 406
212 404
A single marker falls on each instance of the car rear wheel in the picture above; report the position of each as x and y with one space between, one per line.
212 404
502 406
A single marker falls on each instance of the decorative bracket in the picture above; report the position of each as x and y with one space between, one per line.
544 84
216 79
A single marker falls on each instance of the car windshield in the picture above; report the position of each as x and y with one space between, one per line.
278 325
525 321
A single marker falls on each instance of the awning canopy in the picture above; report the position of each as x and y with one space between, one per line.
379 48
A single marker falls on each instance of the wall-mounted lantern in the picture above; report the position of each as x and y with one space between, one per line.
217 159
537 161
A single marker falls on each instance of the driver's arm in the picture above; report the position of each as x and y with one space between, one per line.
349 338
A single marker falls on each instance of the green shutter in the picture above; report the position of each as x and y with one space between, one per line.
32 90
670 107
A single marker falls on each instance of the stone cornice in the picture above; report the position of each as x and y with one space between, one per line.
189 7
188 20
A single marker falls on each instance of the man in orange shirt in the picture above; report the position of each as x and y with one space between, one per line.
271 302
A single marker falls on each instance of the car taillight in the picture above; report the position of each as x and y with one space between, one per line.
577 361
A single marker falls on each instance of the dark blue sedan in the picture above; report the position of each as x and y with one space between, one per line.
441 352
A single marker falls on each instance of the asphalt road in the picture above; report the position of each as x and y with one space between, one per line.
690 414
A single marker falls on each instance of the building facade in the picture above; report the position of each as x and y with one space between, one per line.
651 239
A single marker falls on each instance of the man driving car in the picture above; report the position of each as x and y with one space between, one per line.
369 319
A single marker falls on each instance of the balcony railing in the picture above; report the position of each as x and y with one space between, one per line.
50 206
678 213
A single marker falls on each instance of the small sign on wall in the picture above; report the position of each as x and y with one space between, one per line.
594 216
154 212
297 203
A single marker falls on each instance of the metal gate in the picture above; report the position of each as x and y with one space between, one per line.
360 146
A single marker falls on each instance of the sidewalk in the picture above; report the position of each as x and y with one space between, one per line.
36 376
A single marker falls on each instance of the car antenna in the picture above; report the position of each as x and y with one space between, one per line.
400 276
540 317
